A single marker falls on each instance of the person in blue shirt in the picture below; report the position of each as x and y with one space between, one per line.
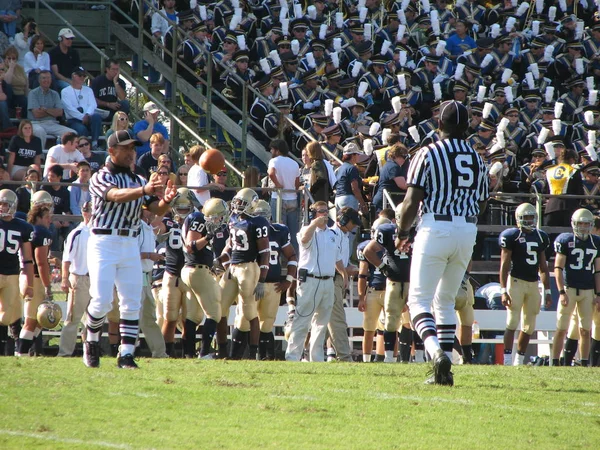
78 193
460 42
393 175
348 187
144 129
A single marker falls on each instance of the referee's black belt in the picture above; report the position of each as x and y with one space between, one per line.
197 266
326 277
448 218
121 232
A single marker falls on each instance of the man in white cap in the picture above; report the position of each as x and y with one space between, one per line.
64 59
149 125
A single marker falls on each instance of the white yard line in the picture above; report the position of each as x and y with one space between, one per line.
53 438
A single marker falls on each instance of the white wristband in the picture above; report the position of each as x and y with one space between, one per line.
548 292
290 300
502 290
289 278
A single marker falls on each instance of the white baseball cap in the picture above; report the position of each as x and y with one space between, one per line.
151 107
352 148
66 33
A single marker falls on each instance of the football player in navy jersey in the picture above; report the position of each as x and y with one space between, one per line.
197 275
15 240
395 266
39 217
248 243
522 257
280 245
371 291
577 272
174 291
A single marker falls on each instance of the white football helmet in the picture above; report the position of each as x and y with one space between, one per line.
49 315
242 202
183 204
261 208
8 204
582 222
526 216
216 214
42 198
379 221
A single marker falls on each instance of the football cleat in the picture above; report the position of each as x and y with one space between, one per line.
91 354
441 370
582 222
526 216
8 204
126 362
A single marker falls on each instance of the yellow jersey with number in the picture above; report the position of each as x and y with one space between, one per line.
558 177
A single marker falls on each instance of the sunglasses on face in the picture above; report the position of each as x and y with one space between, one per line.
477 115
183 174
222 174
163 173
321 211
122 119
83 144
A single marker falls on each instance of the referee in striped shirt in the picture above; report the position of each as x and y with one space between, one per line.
448 184
113 252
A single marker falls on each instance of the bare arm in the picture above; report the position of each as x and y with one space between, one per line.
145 135
273 177
401 183
559 264
41 259
27 255
307 234
505 259
363 274
264 251
545 276
358 194
65 284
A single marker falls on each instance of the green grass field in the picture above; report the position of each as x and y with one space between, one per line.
189 404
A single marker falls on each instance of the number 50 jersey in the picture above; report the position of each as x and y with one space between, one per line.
525 248
581 255
196 222
243 235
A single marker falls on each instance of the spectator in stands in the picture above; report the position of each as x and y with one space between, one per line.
44 107
162 173
187 160
322 178
5 176
221 178
10 13
120 121
348 187
109 90
393 175
36 60
149 161
16 78
24 191
182 175
24 149
64 59
5 94
79 194
95 160
284 173
64 155
198 178
145 128
305 169
62 199
165 160
80 107
23 38
160 24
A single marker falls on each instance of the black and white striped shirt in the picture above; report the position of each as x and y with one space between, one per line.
111 215
453 177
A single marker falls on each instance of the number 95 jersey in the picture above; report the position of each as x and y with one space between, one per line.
525 248
243 235
581 255
196 222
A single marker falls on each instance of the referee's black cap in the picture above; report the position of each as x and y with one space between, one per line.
122 137
453 113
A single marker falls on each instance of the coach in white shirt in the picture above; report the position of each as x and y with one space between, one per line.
198 178
65 155
284 173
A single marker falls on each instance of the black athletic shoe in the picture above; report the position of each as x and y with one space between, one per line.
91 354
441 370
126 362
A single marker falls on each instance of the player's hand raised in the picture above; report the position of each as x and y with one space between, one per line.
170 192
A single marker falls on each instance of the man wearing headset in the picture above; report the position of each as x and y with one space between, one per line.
320 257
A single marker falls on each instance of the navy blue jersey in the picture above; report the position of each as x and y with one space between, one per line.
196 222
526 249
41 238
174 258
219 242
158 268
12 235
399 263
376 279
243 235
279 237
579 267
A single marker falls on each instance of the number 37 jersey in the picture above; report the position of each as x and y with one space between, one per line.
243 235
526 249
581 255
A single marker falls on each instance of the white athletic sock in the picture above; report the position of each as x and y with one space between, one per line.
419 356
126 349
519 360
389 356
26 334
432 345
37 331
508 359
366 357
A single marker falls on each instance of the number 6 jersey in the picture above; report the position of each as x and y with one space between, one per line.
243 235
581 254
525 248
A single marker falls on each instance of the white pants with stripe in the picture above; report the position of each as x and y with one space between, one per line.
115 261
441 253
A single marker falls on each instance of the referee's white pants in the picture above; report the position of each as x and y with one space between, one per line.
313 310
114 261
441 253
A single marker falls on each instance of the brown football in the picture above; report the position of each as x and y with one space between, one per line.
212 161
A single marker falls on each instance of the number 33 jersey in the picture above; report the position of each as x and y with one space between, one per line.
581 255
196 222
525 248
243 236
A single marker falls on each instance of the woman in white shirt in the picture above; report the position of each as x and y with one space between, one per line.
36 60
23 39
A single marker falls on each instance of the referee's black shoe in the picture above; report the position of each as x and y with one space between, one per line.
126 362
441 370
91 354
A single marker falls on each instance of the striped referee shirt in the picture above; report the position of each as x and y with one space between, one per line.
111 215
453 177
